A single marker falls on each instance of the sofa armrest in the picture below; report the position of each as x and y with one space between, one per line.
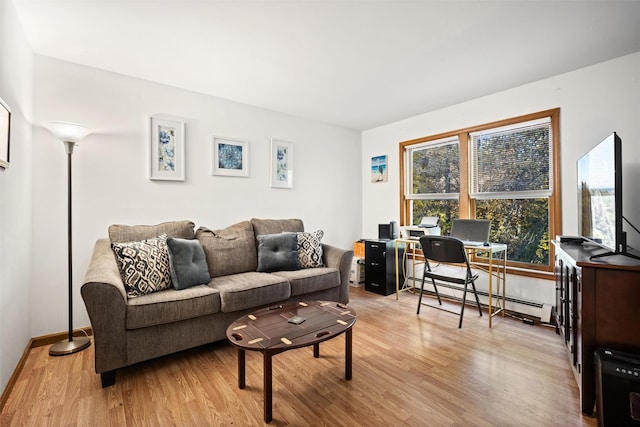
103 267
105 300
341 259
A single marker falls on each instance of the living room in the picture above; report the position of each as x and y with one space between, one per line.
332 189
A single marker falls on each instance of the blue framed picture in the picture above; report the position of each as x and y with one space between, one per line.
281 164
379 169
230 157
167 148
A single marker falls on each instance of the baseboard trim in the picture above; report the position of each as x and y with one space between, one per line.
14 377
33 343
54 338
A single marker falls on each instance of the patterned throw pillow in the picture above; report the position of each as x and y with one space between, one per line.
144 265
310 249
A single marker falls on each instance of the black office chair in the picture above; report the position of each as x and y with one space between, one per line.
443 249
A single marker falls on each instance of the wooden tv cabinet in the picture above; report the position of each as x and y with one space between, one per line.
597 305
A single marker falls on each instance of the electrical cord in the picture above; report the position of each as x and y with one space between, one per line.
84 331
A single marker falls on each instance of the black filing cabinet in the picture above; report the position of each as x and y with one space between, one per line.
380 266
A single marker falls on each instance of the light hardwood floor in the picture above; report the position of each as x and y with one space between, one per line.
407 370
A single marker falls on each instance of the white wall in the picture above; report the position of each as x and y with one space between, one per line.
110 172
594 102
16 73
332 189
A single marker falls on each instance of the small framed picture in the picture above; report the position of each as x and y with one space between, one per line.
166 149
5 133
379 169
281 164
230 157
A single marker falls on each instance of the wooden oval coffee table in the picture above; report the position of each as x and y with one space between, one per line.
271 331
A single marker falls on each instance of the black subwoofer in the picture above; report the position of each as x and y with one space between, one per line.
617 388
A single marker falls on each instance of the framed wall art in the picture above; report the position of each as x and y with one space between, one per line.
230 157
5 133
379 169
281 164
166 149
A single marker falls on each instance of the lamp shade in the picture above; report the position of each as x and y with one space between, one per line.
68 132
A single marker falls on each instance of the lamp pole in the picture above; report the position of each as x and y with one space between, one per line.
69 148
69 134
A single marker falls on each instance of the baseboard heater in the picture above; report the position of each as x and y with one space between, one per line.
479 292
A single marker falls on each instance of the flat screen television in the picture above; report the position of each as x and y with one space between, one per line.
600 196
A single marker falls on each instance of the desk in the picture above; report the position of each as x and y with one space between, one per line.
494 267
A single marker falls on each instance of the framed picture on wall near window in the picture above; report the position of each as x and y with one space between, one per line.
166 155
5 133
379 169
281 164
230 157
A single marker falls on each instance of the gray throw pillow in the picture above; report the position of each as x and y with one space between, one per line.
278 252
187 263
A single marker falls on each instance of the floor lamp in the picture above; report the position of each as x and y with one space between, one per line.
70 134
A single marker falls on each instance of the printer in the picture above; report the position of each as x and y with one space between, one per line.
428 227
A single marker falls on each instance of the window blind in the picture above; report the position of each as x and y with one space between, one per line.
512 161
434 170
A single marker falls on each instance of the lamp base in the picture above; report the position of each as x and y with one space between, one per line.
68 347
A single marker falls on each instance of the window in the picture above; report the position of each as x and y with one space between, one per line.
502 171
435 180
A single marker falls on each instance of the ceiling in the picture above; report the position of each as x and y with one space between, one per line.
356 64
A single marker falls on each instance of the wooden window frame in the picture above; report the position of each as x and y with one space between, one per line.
467 205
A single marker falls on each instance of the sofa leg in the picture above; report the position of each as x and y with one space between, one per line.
108 378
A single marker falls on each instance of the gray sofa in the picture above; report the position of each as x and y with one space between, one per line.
130 330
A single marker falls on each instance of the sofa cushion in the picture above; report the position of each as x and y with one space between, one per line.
187 263
274 226
229 251
249 290
310 249
171 305
277 252
310 280
130 233
143 265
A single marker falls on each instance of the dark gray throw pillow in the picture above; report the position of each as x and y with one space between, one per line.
278 252
187 263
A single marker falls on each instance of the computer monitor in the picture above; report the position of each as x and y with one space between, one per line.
471 230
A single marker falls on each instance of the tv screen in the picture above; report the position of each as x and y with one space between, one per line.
600 194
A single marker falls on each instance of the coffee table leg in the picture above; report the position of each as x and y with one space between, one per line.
267 384
348 359
316 350
241 368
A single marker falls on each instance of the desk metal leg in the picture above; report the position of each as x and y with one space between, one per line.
504 283
490 287
397 272
501 280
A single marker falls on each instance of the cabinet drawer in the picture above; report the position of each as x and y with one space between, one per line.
377 276
374 263
376 284
375 251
